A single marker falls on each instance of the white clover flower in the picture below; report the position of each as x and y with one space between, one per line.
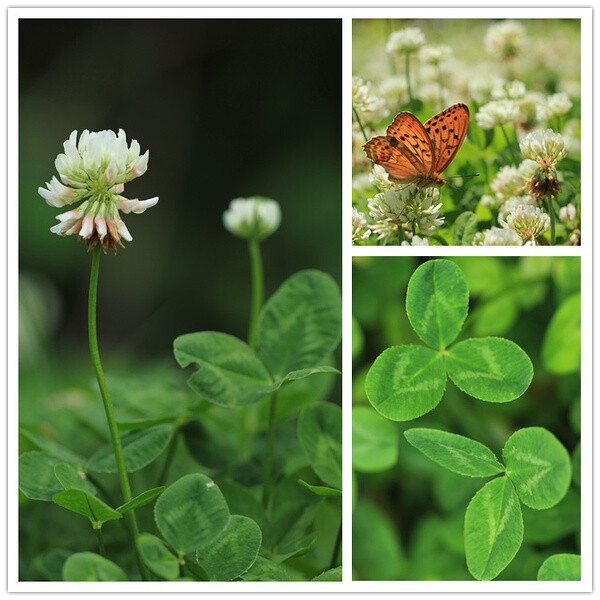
434 55
370 108
252 218
481 85
509 181
380 178
95 170
430 91
513 202
405 41
511 90
497 237
506 39
394 90
497 112
568 215
527 168
416 241
360 228
547 148
490 201
528 109
386 231
409 207
529 222
553 106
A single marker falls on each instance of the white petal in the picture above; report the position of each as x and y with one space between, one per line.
122 229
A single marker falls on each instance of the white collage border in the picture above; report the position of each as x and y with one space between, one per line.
346 11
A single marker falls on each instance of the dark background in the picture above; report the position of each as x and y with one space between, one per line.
227 108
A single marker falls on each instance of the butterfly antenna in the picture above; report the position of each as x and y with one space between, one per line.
463 176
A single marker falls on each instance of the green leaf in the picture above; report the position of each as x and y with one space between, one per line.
437 301
330 575
455 452
140 448
374 441
576 464
465 228
490 369
87 566
320 433
302 373
73 478
561 567
320 490
207 447
36 475
52 447
242 501
191 513
561 348
300 324
553 524
538 465
493 529
406 382
229 374
233 552
83 503
358 338
158 558
376 551
264 569
141 500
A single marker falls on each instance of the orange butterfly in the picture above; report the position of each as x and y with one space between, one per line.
417 154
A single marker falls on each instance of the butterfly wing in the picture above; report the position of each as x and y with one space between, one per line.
405 152
447 131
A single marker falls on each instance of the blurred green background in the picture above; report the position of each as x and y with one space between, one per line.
408 511
227 108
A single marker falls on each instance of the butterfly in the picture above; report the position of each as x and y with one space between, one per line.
414 153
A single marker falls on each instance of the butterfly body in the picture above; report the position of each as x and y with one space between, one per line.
415 153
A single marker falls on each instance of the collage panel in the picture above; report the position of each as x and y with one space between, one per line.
466 419
466 132
179 419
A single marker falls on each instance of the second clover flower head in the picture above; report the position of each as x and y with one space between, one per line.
94 170
252 218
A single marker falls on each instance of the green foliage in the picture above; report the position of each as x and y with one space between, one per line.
72 478
560 567
141 500
36 475
83 503
87 566
465 228
374 441
158 558
562 342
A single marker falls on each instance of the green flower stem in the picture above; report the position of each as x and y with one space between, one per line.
109 410
362 129
268 484
407 72
257 290
162 478
550 210
101 546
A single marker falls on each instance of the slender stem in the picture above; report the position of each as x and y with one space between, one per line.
109 410
257 290
362 129
407 72
336 548
267 484
162 478
550 209
101 546
509 145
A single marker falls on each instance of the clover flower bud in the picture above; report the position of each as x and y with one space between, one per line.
95 169
568 215
252 218
405 41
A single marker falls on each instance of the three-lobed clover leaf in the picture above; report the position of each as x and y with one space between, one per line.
406 382
537 473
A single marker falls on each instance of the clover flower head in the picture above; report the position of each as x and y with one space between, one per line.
506 39
405 41
497 112
480 86
434 55
386 231
546 147
511 90
409 207
430 91
513 202
360 228
509 181
529 222
95 170
497 237
415 240
568 215
380 178
555 105
394 90
252 218
490 201
371 108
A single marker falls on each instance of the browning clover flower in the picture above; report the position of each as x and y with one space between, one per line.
95 170
252 218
